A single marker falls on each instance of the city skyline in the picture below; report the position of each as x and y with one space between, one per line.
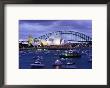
37 28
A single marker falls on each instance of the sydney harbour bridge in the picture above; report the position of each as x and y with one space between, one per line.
71 35
60 38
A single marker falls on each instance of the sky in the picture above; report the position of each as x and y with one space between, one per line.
37 28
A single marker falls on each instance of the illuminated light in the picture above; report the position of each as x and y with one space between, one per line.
57 60
30 40
44 42
66 54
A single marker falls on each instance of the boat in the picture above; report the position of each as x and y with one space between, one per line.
69 65
57 64
37 64
70 54
90 60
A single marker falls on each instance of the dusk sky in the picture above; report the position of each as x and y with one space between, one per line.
36 28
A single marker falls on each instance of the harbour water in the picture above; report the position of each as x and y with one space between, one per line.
48 58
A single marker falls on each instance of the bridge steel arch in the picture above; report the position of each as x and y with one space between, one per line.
75 36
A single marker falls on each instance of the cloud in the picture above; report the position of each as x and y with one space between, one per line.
41 27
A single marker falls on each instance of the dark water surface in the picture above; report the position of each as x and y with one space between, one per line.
48 58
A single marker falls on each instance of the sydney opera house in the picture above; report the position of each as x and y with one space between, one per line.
52 42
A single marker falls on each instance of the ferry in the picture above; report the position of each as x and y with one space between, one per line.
70 54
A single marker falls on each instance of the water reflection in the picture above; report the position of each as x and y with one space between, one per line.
48 59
